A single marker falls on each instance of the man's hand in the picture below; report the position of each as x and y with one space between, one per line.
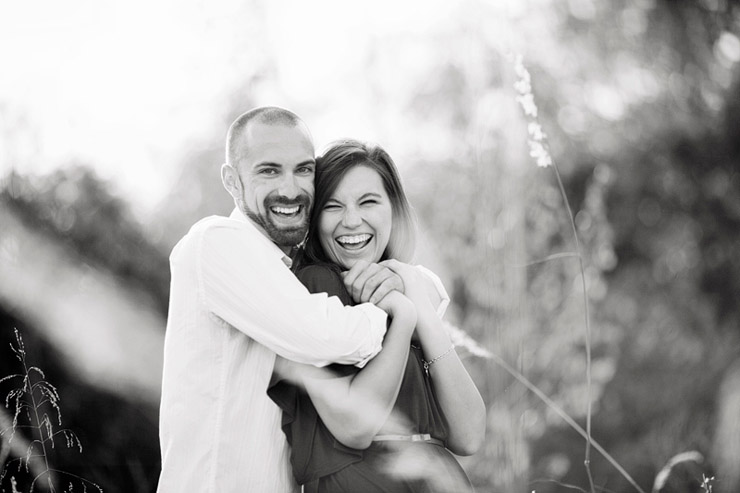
369 283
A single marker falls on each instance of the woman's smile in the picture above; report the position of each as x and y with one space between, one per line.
355 223
354 242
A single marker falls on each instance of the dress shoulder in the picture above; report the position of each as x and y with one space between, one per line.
321 278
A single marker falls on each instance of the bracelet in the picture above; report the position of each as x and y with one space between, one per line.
429 363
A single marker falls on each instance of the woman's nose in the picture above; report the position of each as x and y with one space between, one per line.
351 218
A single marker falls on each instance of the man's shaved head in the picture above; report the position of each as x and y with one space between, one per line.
269 172
236 142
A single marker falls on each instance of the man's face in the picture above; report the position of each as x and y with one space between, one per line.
277 175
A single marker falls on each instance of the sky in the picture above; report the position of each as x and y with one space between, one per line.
130 87
119 86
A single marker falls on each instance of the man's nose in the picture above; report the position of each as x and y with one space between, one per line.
289 187
351 218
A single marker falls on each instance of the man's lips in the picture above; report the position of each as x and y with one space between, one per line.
286 211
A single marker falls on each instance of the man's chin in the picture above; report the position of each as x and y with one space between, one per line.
281 236
287 237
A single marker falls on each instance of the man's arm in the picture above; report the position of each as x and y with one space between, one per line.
249 287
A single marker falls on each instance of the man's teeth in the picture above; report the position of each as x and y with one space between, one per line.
286 210
352 240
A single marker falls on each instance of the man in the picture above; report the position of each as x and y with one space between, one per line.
234 304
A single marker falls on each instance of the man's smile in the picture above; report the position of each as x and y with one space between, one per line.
286 211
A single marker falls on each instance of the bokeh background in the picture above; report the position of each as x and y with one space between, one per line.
112 123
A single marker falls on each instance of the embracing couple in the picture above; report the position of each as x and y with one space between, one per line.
301 349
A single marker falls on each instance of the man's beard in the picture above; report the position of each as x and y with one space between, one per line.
282 236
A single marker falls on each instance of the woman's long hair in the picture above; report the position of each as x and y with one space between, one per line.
331 167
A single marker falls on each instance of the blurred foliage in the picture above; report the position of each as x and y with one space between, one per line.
640 103
75 208
120 451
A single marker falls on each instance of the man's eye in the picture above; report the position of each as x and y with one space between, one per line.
305 170
268 171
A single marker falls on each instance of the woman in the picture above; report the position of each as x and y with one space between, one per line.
356 430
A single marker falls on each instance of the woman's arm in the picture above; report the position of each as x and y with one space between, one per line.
355 407
457 395
456 392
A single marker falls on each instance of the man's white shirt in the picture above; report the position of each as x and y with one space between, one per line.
218 429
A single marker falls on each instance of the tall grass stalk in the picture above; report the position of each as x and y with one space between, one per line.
537 142
31 402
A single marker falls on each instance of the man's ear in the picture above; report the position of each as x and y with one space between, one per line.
231 181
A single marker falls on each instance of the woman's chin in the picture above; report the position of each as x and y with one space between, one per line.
348 262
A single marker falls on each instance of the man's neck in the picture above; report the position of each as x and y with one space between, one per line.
287 250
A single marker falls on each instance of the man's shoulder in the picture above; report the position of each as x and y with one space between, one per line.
208 227
214 224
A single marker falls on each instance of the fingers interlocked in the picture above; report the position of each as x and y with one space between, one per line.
368 282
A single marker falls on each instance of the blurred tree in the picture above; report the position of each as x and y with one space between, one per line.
72 205
658 88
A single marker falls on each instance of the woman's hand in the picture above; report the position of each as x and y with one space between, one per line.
397 305
370 283
417 287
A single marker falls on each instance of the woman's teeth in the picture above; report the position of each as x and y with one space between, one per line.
354 241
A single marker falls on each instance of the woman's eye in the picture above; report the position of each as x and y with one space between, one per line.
369 202
331 207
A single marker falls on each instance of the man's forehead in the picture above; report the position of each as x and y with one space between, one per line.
271 133
276 141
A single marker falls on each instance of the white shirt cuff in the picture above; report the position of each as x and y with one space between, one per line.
378 327
443 296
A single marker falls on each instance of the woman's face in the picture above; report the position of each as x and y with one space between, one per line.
355 223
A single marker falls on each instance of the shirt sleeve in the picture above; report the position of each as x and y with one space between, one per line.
444 298
246 284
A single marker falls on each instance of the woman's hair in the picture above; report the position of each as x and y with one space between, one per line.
331 167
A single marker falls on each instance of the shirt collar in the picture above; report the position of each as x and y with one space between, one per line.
238 215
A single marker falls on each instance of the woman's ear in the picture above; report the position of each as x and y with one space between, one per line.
231 181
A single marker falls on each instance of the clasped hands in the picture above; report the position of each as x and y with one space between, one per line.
370 282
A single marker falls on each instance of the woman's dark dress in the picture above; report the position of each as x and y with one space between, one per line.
323 464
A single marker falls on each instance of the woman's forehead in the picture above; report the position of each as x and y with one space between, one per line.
359 180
